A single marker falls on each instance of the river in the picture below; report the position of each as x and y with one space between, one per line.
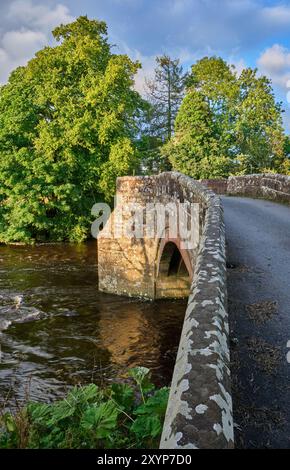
57 330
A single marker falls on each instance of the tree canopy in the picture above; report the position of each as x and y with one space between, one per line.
227 123
67 125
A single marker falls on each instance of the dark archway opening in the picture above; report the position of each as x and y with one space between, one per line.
175 262
173 280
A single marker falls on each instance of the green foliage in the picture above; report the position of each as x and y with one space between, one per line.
141 375
287 146
123 395
227 124
147 427
67 127
165 92
122 157
150 415
285 167
101 419
156 404
151 160
149 144
119 416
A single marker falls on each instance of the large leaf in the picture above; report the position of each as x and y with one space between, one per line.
88 394
61 410
39 413
123 395
155 405
101 419
147 426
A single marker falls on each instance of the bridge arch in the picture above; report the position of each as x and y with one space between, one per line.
173 268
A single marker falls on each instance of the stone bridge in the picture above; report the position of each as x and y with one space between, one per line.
158 264
199 413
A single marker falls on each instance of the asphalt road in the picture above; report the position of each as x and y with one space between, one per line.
258 257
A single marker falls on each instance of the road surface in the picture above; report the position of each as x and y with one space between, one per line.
258 257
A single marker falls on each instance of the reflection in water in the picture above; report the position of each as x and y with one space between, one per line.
123 337
57 330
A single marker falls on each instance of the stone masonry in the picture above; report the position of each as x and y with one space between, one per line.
132 267
267 186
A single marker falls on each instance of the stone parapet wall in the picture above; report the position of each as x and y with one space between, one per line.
199 414
218 186
266 185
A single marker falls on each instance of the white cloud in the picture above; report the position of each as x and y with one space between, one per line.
22 44
275 63
28 29
147 71
277 15
39 16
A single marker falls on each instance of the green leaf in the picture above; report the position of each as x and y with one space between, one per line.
147 426
60 411
88 394
39 412
123 395
101 419
87 418
155 405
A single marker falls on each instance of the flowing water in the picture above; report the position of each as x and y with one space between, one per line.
58 330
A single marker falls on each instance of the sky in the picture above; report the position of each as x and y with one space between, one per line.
253 33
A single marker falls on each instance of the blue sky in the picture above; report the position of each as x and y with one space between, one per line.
252 33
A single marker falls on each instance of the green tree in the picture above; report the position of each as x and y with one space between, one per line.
285 168
226 123
148 144
258 127
165 93
67 126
